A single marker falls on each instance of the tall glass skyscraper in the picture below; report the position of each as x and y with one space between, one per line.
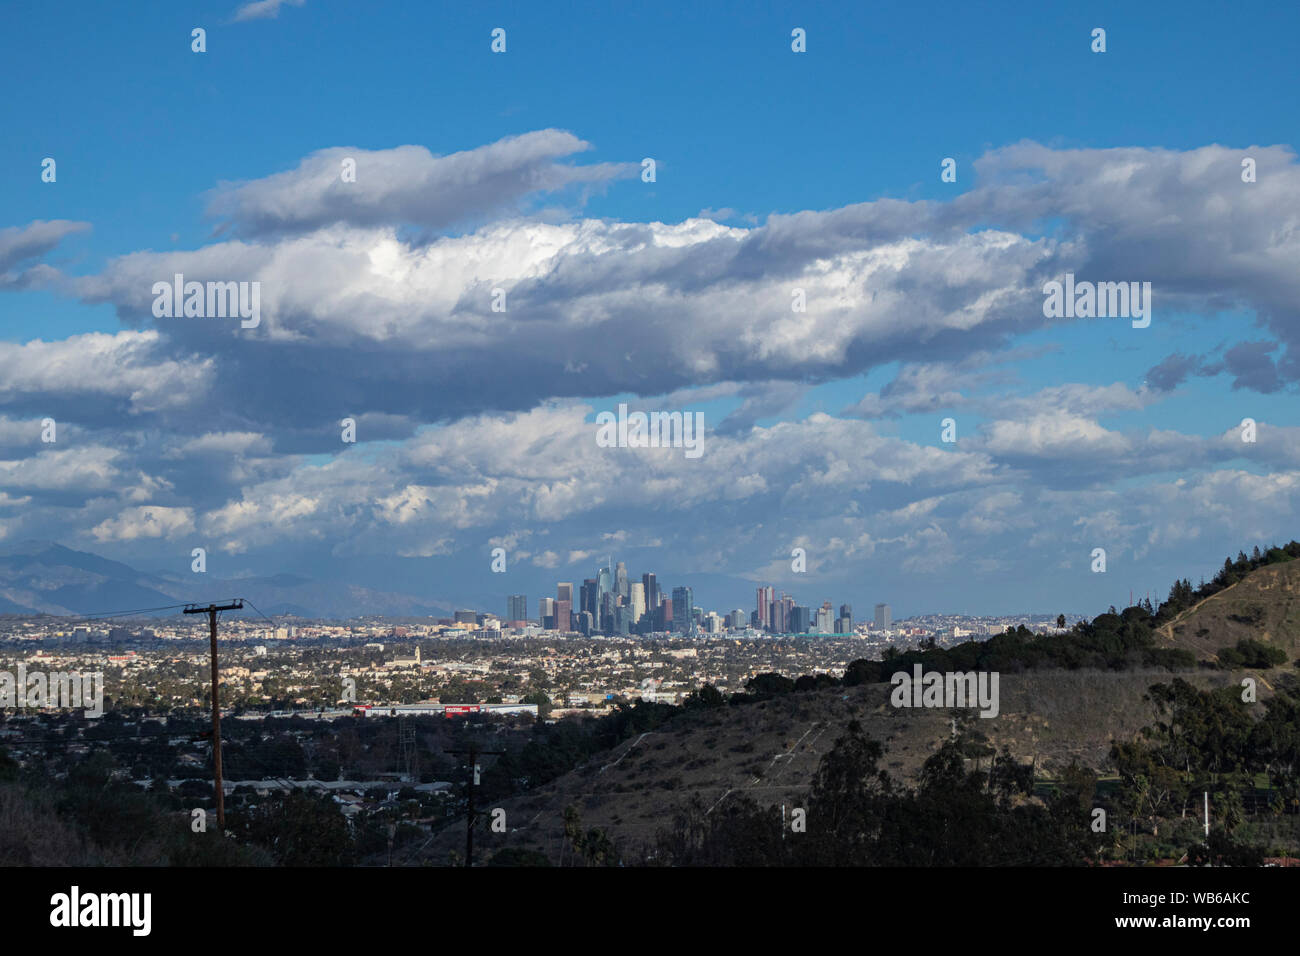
683 602
651 586
517 607
604 584
620 583
608 607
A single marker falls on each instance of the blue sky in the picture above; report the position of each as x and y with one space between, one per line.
1073 434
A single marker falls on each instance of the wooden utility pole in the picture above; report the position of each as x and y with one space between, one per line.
211 611
473 753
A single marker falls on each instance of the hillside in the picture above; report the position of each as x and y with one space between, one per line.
1263 606
1050 716
771 749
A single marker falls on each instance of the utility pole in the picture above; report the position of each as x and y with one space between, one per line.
473 753
211 611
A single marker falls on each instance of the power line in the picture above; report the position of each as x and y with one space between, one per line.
259 612
99 615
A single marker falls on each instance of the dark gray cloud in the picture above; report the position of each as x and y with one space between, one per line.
19 244
1252 366
1172 371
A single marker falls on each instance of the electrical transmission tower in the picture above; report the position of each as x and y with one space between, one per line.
408 766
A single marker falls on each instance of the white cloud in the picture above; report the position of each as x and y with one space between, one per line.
263 9
125 367
147 521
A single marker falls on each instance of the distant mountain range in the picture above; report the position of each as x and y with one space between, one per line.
42 577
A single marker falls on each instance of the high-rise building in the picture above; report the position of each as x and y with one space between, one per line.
620 582
563 605
608 605
517 607
764 601
651 591
604 584
637 602
800 619
683 610
779 614
882 616
824 623
466 617
587 597
846 615
737 619
546 608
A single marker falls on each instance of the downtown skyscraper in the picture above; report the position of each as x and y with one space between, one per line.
766 595
652 595
563 606
683 610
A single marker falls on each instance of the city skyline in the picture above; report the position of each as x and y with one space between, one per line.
606 597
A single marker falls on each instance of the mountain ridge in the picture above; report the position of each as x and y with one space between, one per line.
45 577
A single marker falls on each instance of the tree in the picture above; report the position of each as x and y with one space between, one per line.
769 684
299 829
594 846
706 697
544 705
847 795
